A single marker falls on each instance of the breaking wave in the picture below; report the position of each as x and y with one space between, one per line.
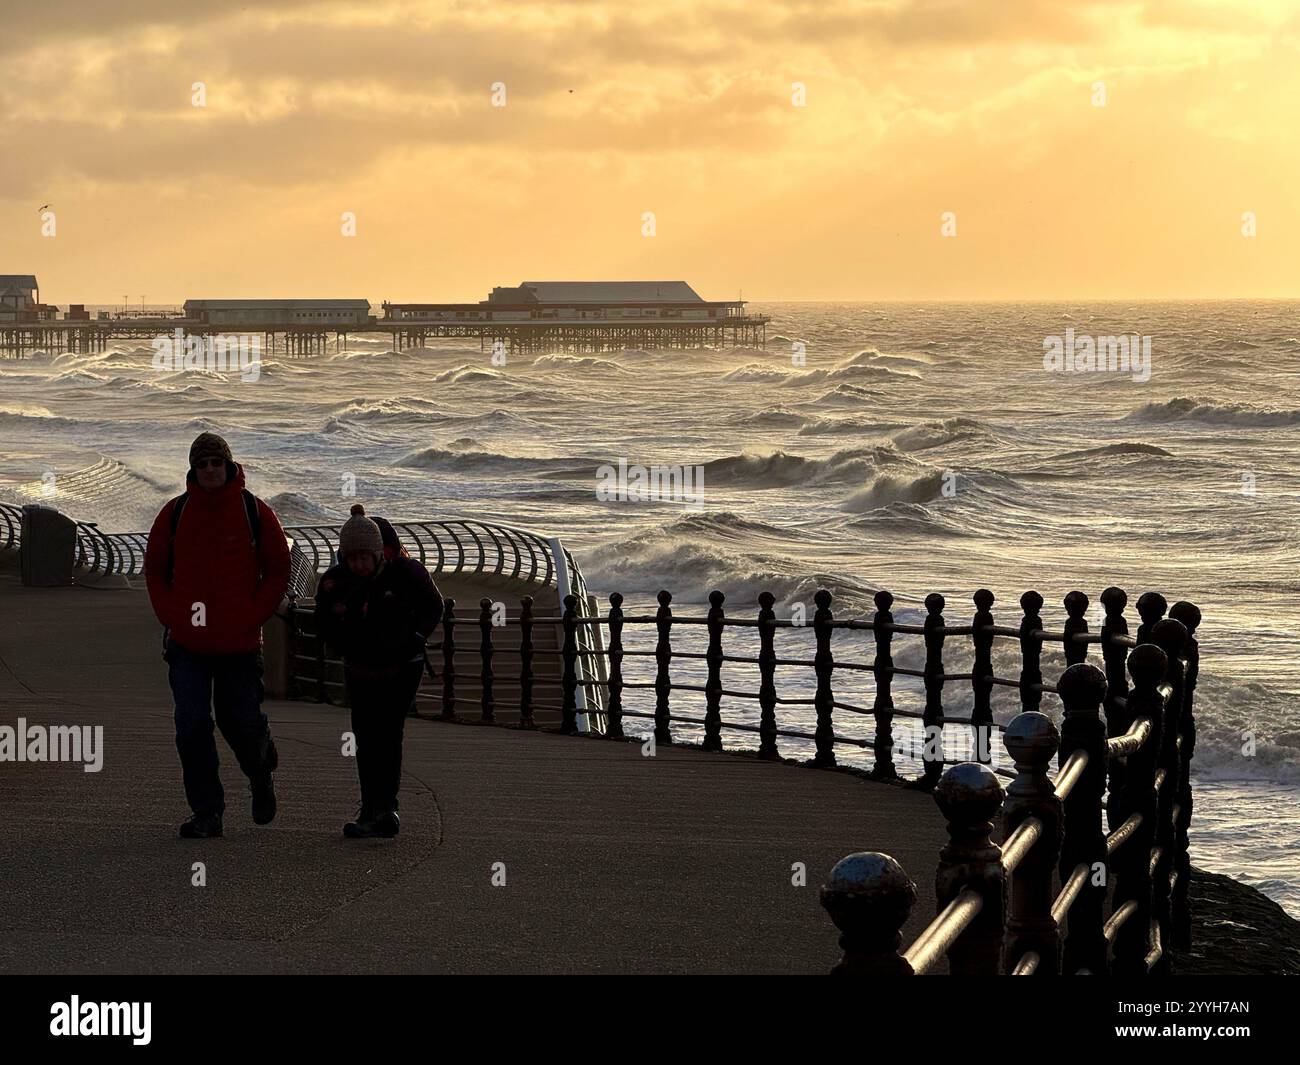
1198 409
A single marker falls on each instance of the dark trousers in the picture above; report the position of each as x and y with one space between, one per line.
380 702
233 685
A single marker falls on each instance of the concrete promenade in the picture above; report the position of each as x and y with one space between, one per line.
614 862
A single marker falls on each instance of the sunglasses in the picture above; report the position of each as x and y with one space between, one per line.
203 464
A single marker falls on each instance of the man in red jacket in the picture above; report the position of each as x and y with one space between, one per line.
217 566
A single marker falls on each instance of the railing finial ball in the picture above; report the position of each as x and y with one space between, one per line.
716 598
485 603
665 597
449 602
822 598
969 793
766 600
615 598
570 601
1076 604
1147 664
934 603
866 889
983 599
1082 687
1188 613
528 600
1031 602
883 600
1170 635
1114 600
1152 606
1032 738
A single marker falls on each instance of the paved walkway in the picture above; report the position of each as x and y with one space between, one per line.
613 862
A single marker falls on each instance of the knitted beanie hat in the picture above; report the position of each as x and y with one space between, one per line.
209 445
359 533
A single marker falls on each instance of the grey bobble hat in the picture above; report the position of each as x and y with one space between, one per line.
359 533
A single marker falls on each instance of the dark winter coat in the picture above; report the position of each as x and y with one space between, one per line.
381 621
215 563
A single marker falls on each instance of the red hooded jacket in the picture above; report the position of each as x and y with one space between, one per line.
214 563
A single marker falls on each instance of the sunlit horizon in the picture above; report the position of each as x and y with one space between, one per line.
1107 150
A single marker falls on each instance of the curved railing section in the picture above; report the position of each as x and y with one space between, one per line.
455 546
120 554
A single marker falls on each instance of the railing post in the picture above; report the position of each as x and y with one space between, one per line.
569 680
969 795
663 661
767 675
614 729
448 660
824 662
485 655
1076 605
1147 666
981 717
713 686
1118 718
291 621
1031 740
883 672
1031 652
322 695
1151 606
1180 917
869 898
932 718
1082 688
1171 637
526 663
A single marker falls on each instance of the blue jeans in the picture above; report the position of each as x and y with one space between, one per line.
233 685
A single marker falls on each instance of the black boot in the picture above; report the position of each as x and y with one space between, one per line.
202 826
263 785
387 824
264 800
364 827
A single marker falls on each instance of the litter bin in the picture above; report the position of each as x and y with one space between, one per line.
48 548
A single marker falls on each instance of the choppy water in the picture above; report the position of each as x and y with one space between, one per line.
919 448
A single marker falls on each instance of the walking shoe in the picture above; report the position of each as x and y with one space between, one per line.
387 824
264 800
363 827
202 826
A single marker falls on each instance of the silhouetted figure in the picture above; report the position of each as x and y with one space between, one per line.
217 566
378 613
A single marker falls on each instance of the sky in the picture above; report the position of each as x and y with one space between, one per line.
823 150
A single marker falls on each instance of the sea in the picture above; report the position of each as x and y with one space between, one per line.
919 448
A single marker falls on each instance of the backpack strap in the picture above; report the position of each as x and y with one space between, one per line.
254 518
178 504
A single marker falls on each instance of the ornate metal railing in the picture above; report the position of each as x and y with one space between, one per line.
1122 895
1124 891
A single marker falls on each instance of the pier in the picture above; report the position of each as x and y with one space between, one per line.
531 318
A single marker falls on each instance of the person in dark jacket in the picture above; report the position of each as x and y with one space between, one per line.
378 612
217 566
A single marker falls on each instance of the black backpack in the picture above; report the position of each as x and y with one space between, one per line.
250 512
